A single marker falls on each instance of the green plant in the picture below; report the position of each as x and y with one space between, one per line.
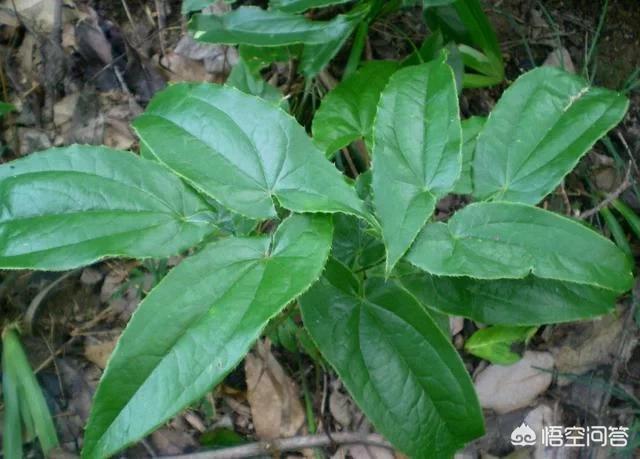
26 415
373 274
282 33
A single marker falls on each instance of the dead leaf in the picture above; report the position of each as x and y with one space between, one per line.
181 68
586 345
91 276
272 395
167 441
560 58
98 352
32 139
456 324
217 59
340 406
507 388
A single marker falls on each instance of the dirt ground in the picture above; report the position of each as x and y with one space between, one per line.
84 79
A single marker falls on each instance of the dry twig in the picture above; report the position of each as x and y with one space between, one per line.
615 194
290 444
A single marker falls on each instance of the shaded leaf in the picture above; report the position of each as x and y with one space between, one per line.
471 127
514 162
21 375
250 25
347 112
197 324
71 206
528 301
298 6
194 5
417 151
395 361
242 151
509 240
12 429
6 108
245 80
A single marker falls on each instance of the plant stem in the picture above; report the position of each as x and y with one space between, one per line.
356 49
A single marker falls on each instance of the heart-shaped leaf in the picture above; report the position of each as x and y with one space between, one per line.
509 240
417 151
395 361
347 112
197 324
71 206
243 152
539 129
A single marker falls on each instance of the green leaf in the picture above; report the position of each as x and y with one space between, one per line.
6 108
395 361
27 386
471 127
528 301
316 57
465 23
430 3
254 26
298 6
194 5
515 162
197 324
245 80
510 240
355 244
12 429
417 151
481 33
69 207
495 343
256 57
242 151
347 112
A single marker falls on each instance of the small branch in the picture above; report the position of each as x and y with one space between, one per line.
350 163
615 194
289 444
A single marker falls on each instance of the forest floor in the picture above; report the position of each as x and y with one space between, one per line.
107 58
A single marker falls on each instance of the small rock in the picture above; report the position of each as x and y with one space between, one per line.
508 388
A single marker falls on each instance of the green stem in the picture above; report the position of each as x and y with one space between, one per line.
616 231
356 50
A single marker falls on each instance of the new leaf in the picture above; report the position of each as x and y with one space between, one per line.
197 324
417 151
348 111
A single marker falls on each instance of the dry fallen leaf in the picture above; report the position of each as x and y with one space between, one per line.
560 58
98 352
590 344
274 398
507 388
